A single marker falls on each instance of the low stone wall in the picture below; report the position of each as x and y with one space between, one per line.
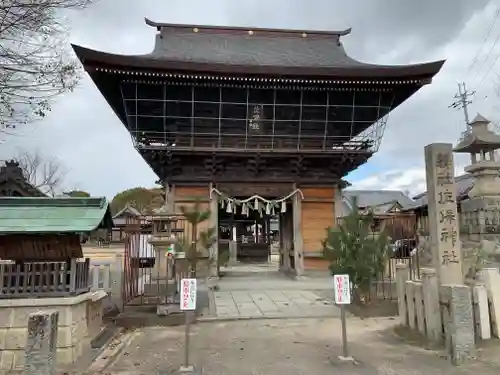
454 315
79 321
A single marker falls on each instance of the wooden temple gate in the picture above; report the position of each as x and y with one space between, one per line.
302 225
301 230
203 119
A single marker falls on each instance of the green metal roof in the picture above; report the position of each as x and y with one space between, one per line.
53 215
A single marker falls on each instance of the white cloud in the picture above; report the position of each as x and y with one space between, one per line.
426 117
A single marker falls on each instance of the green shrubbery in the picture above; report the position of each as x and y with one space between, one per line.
353 248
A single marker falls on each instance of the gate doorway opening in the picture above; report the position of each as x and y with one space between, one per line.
255 233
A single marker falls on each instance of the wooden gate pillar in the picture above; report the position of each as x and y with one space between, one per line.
281 247
339 206
298 241
214 223
286 235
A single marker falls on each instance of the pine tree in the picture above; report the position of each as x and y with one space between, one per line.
352 248
200 240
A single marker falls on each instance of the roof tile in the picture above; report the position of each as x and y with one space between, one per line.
52 215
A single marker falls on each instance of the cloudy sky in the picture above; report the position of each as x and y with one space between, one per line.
84 134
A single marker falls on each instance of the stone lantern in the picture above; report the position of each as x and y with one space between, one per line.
163 241
481 213
481 144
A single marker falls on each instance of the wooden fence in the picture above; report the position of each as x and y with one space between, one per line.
44 279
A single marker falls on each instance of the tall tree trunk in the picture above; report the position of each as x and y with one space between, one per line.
193 256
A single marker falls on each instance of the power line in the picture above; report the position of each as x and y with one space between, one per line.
492 25
489 70
487 57
462 101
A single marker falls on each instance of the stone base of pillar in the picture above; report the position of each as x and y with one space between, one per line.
458 323
233 253
214 274
213 282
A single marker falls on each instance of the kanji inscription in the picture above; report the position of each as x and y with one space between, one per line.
255 120
445 197
447 216
443 216
449 257
447 235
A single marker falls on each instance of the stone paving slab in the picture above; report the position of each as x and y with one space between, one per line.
291 347
272 304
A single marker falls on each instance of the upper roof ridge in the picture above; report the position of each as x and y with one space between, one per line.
249 29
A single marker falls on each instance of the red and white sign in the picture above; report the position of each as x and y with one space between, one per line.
188 294
342 289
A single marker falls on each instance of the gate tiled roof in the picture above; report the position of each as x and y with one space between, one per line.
252 50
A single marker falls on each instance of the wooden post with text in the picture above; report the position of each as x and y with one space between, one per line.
342 293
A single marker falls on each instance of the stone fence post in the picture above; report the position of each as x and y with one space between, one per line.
402 275
490 277
418 294
432 310
117 280
41 344
410 304
481 312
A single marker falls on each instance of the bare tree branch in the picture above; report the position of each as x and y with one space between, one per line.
47 175
34 61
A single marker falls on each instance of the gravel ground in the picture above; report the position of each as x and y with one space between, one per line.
291 347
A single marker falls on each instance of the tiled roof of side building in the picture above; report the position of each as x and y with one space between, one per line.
53 215
379 199
367 198
463 184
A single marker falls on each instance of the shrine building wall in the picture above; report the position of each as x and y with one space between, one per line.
318 213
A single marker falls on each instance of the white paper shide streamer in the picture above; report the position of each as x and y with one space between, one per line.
255 202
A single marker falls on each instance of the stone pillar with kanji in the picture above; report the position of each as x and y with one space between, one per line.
455 303
443 216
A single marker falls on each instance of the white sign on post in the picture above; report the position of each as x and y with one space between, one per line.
188 294
342 289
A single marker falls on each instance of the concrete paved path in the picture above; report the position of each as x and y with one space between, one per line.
260 291
272 304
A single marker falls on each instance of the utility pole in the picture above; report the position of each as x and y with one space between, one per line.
462 101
